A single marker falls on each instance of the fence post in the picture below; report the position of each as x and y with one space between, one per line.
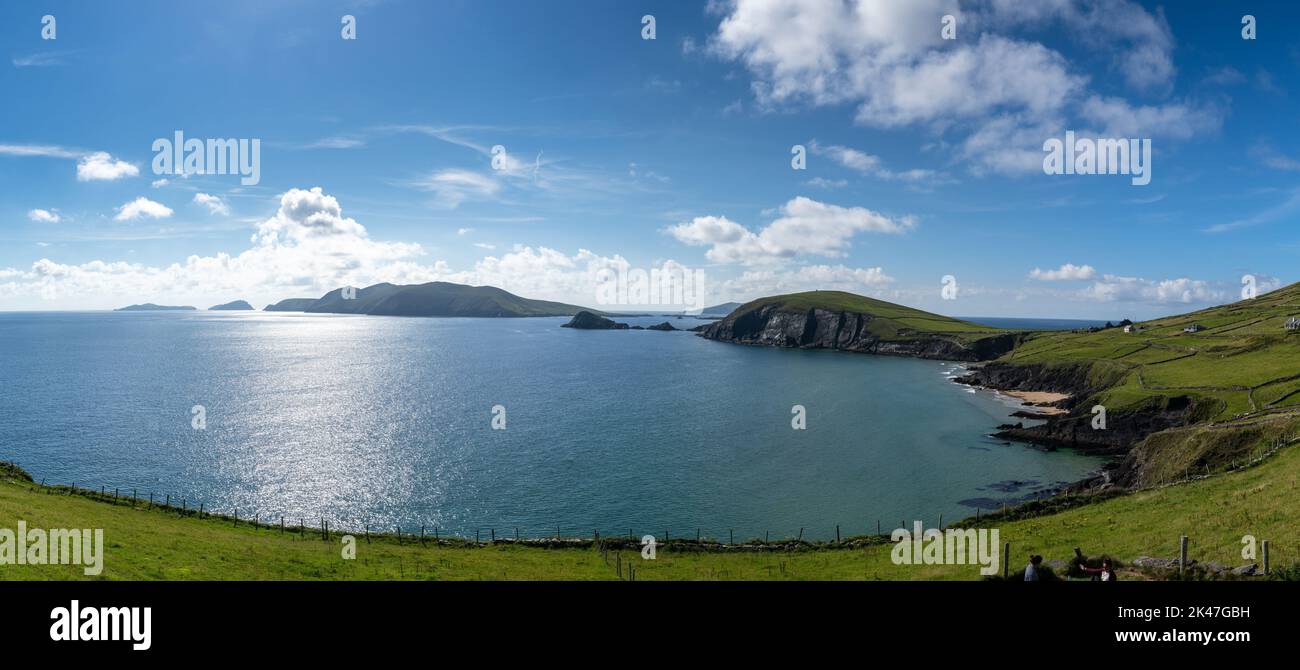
1182 555
837 533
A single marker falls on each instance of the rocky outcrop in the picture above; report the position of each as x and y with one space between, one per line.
585 320
662 326
775 326
1123 431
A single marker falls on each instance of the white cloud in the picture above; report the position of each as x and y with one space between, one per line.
805 226
866 164
142 207
822 182
44 216
43 59
995 92
44 150
159 183
307 248
454 186
100 166
1066 272
1113 288
214 204
464 231
485 245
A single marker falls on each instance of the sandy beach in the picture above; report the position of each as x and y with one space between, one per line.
1038 398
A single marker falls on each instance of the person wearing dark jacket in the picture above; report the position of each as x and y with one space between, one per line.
1106 573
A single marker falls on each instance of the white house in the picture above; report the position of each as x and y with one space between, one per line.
1293 323
1194 328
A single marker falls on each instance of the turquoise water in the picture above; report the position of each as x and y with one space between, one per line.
388 421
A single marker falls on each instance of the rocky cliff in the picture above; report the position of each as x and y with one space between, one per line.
775 325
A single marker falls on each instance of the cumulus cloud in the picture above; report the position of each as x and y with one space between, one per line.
100 166
44 216
999 93
1113 288
307 248
142 207
804 227
214 204
1066 272
159 183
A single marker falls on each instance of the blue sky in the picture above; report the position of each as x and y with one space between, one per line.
923 154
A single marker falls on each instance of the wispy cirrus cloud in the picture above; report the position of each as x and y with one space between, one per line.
42 59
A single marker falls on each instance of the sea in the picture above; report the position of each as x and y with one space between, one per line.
504 426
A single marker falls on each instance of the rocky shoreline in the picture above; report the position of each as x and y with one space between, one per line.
1074 428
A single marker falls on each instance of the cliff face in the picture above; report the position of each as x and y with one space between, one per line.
1122 432
776 326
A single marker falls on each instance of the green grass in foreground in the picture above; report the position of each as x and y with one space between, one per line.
151 544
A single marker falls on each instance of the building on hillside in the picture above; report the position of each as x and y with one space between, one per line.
1194 328
1293 323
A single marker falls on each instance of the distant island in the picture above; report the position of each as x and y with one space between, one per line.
721 310
586 320
231 306
150 307
433 299
291 305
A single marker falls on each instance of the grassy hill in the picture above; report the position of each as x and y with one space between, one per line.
1244 362
891 321
151 544
850 322
1185 394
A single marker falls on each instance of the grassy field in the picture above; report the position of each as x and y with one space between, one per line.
146 544
1244 361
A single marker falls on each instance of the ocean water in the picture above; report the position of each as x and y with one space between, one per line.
387 421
